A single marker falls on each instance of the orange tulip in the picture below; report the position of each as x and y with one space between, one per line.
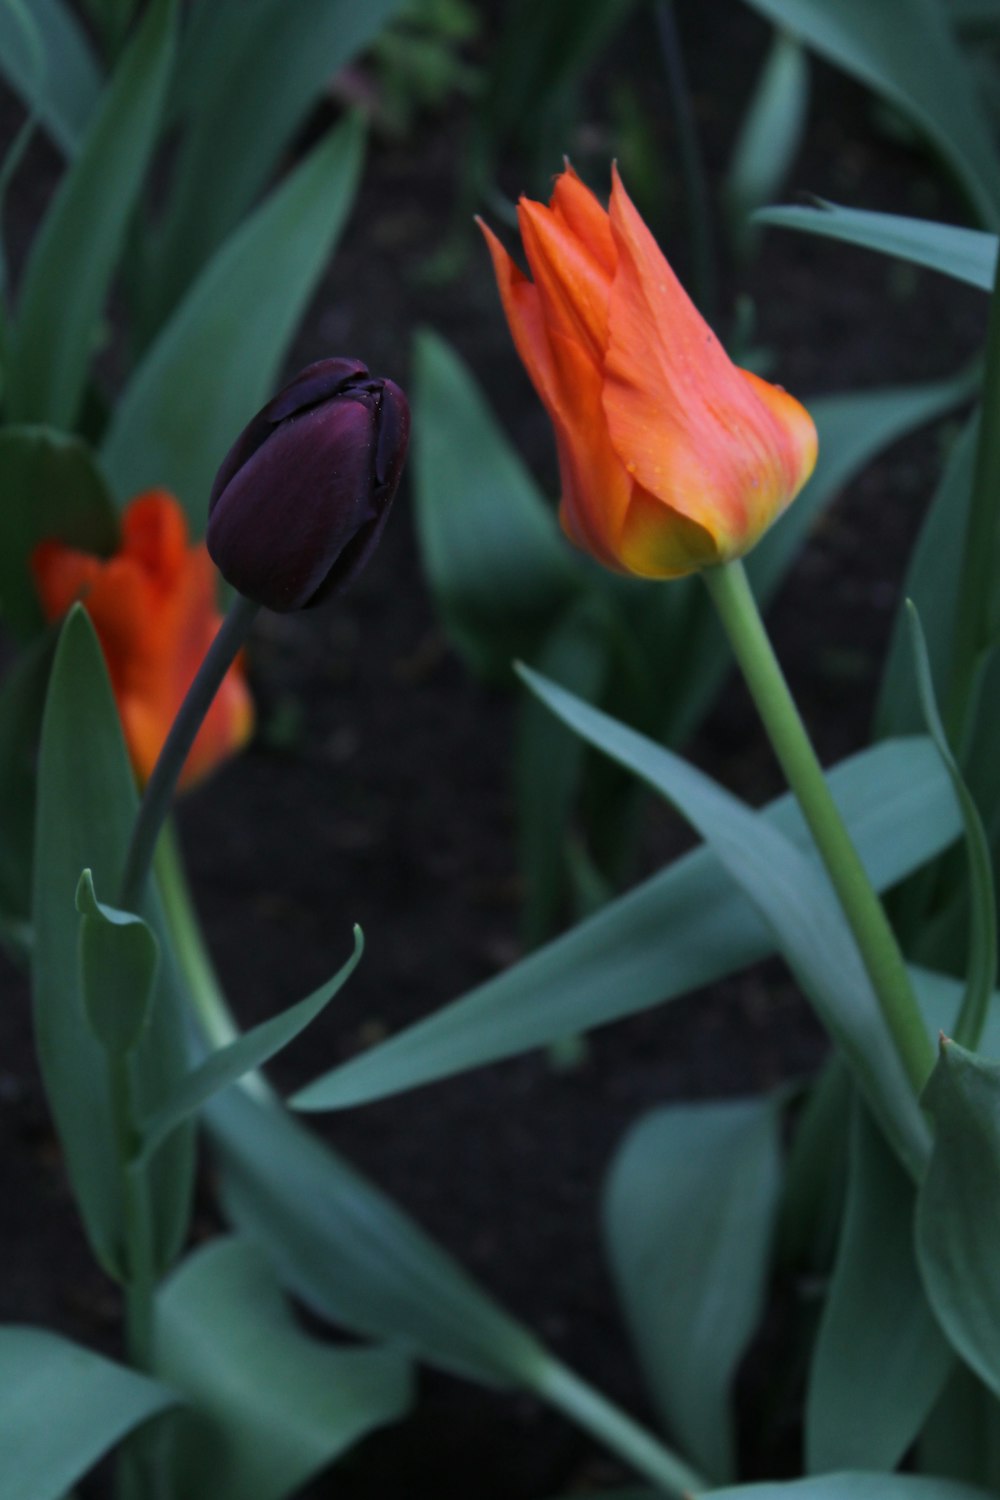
671 457
154 609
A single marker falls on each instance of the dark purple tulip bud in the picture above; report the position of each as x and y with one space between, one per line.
300 500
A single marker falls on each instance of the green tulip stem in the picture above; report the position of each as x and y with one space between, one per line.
733 598
159 793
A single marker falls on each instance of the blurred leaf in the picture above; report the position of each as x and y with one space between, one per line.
933 579
940 996
549 761
961 1439
351 1255
61 1409
793 896
981 962
251 73
46 59
73 258
816 1173
958 1208
904 50
880 1360
51 488
966 254
269 1405
853 430
13 156
22 699
855 1487
218 357
119 957
689 1208
498 567
685 927
228 1064
86 808
769 138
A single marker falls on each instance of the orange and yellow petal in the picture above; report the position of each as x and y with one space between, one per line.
582 213
573 285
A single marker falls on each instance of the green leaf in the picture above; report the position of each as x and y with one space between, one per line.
252 72
688 1215
228 1064
86 808
880 1360
351 1255
269 1406
982 955
498 568
904 50
958 1208
966 254
218 357
793 897
119 958
46 59
74 255
855 1487
769 138
51 488
61 1409
685 927
961 1439
932 582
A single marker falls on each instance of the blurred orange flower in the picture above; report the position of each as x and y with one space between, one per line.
671 457
153 606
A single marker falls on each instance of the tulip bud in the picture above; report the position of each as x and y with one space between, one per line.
300 500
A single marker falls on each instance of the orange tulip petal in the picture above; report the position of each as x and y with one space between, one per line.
155 533
693 429
523 311
659 543
582 212
571 282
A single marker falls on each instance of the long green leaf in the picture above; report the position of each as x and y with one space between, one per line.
351 1255
86 807
73 259
218 357
958 1209
857 1486
497 566
981 962
22 700
769 137
689 1209
794 899
683 928
268 1405
259 67
228 1064
61 1408
880 1359
46 59
966 254
905 51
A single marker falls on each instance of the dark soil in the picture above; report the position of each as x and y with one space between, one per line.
393 806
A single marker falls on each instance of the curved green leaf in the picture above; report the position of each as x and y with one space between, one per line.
689 1210
218 357
905 51
880 1360
856 1487
769 138
61 1409
86 808
46 59
119 957
683 928
968 255
73 258
269 1406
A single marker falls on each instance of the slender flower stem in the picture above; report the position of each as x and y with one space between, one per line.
732 596
595 1414
159 792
